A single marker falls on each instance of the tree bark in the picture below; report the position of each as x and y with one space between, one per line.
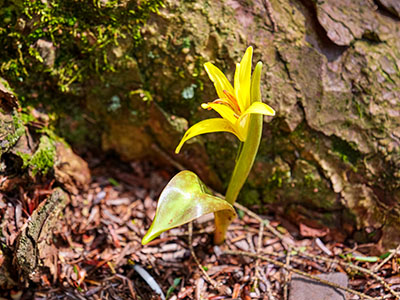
28 163
332 152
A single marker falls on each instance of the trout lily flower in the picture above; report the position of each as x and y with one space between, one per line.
234 104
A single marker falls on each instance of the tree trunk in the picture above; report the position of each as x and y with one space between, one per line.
332 74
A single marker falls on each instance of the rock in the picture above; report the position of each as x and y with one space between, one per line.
391 5
70 170
47 52
344 20
25 152
302 288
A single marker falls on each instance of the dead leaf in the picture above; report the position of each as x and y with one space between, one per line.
312 232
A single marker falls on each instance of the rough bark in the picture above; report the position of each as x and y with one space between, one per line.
30 158
332 74
34 245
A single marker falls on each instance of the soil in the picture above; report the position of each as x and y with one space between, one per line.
98 253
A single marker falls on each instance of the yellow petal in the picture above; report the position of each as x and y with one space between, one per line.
237 87
243 125
225 111
220 81
258 108
207 126
255 92
245 79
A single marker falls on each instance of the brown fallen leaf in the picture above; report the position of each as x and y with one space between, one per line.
307 231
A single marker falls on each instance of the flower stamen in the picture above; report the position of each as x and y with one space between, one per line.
232 102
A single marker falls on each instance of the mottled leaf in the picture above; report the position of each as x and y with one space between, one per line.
184 199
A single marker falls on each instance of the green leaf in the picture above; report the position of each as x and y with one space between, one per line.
171 289
184 199
367 258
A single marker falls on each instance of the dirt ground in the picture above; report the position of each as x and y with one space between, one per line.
98 253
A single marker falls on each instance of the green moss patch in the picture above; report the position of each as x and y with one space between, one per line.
42 161
52 49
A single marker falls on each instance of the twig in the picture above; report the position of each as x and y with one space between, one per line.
269 290
375 269
259 245
207 277
260 237
291 269
285 287
261 220
130 285
345 264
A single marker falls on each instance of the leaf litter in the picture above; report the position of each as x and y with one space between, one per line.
96 250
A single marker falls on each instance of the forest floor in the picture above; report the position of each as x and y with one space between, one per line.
99 253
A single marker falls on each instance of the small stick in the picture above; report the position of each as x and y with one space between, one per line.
291 269
260 237
285 287
259 245
130 285
261 220
207 277
269 290
375 269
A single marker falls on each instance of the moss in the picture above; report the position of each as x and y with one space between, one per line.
43 159
54 52
19 129
345 151
11 129
249 196
82 37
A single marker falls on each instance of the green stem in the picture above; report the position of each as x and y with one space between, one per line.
245 161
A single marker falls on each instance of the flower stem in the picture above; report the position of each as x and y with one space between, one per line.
245 161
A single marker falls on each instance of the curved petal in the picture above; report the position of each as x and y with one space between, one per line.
255 92
237 88
220 81
245 77
207 126
225 111
258 108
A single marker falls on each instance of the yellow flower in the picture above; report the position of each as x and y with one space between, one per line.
234 104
